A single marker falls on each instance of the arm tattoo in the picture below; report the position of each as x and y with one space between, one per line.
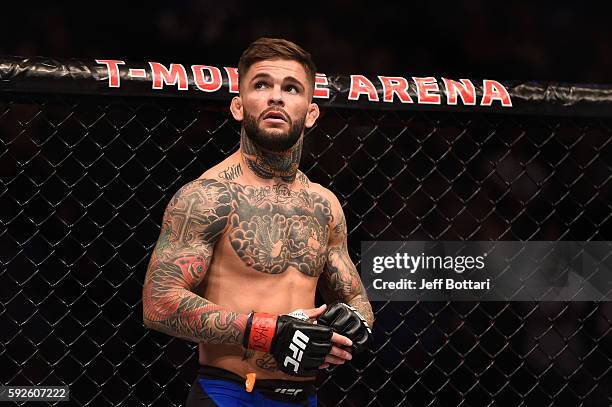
193 222
340 279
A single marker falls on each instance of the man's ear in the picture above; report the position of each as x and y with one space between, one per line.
236 108
312 115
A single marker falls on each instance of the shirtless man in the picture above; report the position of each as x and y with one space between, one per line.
242 248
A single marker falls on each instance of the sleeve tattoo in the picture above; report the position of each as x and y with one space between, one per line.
193 222
340 280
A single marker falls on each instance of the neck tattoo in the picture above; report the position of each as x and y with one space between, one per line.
267 164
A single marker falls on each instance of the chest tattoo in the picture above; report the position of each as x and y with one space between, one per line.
273 228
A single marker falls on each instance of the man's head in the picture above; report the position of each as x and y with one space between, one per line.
276 87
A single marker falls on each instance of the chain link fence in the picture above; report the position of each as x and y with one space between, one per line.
85 181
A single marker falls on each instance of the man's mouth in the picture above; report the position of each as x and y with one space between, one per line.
274 116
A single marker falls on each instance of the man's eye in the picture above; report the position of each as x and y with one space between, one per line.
260 85
292 89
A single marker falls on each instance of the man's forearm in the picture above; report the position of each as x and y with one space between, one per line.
170 308
361 304
348 289
340 281
194 318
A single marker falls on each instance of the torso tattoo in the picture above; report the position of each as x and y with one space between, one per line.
273 228
303 179
270 229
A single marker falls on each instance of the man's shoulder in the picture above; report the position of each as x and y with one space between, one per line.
324 192
202 190
335 207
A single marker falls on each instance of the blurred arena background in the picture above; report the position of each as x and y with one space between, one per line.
545 41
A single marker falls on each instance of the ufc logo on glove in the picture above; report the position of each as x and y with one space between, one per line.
297 346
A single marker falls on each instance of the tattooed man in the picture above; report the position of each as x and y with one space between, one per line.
243 248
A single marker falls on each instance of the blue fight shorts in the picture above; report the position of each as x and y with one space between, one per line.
222 388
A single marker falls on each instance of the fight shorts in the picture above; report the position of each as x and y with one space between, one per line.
219 387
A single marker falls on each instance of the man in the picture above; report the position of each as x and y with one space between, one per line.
242 248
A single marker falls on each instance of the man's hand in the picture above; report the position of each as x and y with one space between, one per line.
342 346
346 320
300 347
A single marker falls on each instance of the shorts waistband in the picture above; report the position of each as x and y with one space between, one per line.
284 390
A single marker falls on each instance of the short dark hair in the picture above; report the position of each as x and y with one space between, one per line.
276 48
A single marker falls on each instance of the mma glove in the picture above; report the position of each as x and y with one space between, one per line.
298 346
347 321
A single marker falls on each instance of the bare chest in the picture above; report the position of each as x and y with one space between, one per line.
274 228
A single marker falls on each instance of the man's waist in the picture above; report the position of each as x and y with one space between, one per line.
278 389
235 359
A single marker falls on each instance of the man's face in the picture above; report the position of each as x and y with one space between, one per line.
275 100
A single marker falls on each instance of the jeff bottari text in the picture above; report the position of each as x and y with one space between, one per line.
411 264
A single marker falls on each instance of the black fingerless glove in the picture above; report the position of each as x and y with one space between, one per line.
298 347
347 321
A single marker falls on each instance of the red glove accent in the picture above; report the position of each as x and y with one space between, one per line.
263 329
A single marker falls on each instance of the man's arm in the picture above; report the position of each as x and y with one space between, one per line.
340 280
193 222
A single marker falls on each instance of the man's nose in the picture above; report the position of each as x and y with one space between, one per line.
276 96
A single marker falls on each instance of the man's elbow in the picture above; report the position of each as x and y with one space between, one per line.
146 321
149 317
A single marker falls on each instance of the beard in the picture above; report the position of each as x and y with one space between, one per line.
274 140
